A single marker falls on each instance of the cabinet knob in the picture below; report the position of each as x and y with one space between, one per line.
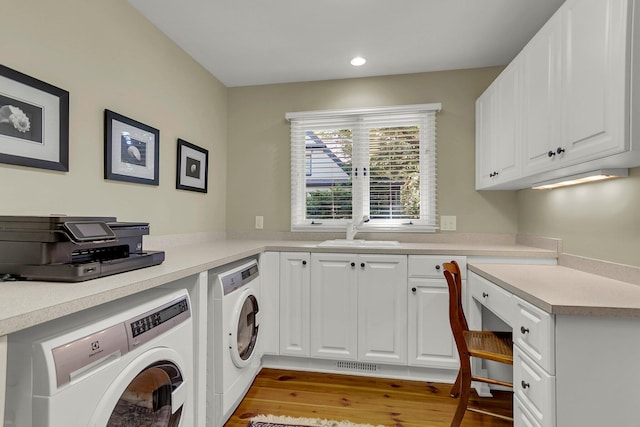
484 295
438 267
525 385
560 150
551 153
362 264
304 262
413 290
524 330
353 264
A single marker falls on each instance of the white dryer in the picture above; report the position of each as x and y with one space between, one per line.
235 356
125 363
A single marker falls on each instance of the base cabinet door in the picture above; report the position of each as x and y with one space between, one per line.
382 309
334 311
295 280
431 343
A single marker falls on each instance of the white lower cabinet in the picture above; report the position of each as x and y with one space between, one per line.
382 309
358 307
295 281
534 380
334 311
534 388
430 342
521 416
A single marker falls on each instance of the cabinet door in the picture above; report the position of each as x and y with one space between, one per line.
485 170
431 343
334 315
507 130
541 97
382 308
294 303
594 79
498 130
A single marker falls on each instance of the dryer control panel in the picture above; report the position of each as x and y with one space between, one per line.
237 278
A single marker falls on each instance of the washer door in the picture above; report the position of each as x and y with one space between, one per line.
151 396
244 329
147 399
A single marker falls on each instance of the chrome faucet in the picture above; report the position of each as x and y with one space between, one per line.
352 229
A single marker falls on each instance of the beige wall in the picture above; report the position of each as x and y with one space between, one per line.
109 56
258 149
598 220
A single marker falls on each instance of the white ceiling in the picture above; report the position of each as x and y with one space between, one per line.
252 42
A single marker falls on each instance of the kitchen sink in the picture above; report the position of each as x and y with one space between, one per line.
344 243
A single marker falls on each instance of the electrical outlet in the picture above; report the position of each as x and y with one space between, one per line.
447 223
259 222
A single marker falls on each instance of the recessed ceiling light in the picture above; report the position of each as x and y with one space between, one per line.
358 61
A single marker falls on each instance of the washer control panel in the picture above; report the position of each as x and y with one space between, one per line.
149 325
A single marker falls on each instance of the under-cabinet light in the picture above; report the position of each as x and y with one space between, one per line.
582 178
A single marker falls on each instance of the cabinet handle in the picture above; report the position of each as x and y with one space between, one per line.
437 267
353 264
560 150
304 262
525 385
493 174
413 290
524 330
362 264
484 295
551 153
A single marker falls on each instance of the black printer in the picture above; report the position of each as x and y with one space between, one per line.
71 249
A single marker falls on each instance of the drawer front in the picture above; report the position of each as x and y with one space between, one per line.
534 388
521 416
534 333
493 297
431 265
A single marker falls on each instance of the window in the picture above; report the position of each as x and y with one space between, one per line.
378 162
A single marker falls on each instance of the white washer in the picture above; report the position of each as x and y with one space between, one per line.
128 362
235 340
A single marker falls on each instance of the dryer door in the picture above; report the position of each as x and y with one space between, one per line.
243 336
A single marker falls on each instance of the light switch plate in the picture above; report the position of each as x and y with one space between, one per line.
447 223
259 222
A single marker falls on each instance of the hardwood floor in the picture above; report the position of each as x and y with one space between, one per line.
358 399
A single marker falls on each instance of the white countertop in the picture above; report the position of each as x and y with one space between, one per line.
564 291
24 304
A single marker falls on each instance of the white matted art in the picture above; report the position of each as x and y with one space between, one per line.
131 150
192 168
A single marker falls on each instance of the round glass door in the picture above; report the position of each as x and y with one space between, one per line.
246 331
146 402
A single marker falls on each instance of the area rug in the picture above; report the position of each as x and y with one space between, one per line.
283 421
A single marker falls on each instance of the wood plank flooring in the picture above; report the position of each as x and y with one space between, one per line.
359 399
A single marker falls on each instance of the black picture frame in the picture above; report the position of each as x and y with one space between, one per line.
34 122
192 171
131 150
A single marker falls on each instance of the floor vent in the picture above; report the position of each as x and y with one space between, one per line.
357 366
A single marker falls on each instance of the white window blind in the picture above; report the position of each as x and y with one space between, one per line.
378 162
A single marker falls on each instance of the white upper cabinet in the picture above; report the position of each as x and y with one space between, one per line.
541 97
594 79
566 97
498 130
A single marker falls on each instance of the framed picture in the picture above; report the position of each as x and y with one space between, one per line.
131 150
34 122
193 166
